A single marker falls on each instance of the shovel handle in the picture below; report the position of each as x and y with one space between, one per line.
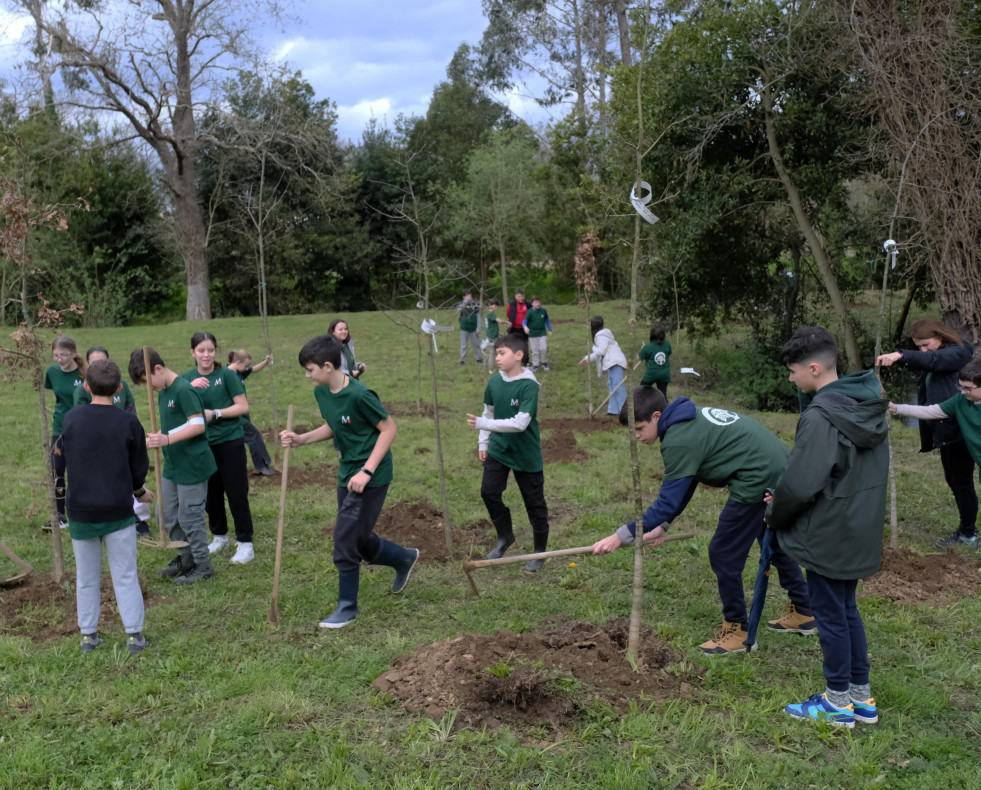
24 566
469 565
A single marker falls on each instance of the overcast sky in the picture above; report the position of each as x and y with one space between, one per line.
374 58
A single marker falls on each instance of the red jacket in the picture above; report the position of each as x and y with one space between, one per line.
516 312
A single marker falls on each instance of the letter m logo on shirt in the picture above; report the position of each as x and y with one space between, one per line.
170 404
345 420
514 402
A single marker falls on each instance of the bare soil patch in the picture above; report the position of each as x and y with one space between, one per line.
42 609
908 577
561 446
548 676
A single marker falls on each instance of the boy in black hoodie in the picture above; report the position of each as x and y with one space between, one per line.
829 509
719 448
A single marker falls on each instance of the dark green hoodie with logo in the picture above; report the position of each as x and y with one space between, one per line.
829 506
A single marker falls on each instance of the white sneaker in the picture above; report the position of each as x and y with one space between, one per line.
218 543
243 554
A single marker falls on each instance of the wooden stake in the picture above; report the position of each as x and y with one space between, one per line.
272 616
596 410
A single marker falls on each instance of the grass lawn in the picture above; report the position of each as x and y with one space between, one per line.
223 700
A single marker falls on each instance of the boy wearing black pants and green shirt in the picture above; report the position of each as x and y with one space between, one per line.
828 511
363 432
106 461
188 465
721 449
509 441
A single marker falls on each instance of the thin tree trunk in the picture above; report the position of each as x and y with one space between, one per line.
447 519
852 354
624 27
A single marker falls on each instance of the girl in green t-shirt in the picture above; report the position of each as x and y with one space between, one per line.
62 379
223 397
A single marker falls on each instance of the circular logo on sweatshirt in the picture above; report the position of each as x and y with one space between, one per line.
719 416
660 357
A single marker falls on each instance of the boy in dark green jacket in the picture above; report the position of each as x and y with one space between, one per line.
829 509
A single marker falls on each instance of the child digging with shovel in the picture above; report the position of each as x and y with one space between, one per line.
364 432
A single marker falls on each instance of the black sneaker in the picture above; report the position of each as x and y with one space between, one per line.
90 642
265 471
142 529
174 568
195 574
62 522
955 539
136 643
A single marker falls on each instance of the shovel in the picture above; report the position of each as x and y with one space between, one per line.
469 565
164 542
26 568
272 616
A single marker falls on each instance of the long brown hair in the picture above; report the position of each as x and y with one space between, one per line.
927 327
65 343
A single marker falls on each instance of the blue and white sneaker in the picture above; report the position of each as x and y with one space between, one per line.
819 708
865 710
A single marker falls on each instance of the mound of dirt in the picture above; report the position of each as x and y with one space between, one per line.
42 609
544 676
907 577
561 447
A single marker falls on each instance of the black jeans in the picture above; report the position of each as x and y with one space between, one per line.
740 524
257 447
532 488
354 536
959 473
231 480
58 466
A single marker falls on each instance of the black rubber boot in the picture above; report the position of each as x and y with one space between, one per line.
395 556
347 600
541 543
505 537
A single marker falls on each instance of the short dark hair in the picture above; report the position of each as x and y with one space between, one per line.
647 400
103 377
519 291
971 372
515 342
493 301
657 333
137 367
536 298
91 351
321 350
810 344
467 292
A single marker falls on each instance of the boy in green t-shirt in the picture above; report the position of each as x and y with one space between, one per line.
509 441
363 432
493 331
539 329
188 464
657 355
965 408
719 448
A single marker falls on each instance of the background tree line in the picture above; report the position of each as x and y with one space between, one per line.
786 141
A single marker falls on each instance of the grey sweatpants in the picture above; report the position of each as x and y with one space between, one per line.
184 509
474 339
121 553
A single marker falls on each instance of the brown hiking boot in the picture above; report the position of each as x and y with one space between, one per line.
793 622
730 638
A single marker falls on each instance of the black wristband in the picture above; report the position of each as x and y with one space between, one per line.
139 493
367 471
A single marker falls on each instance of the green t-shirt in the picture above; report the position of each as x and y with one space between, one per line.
520 451
353 415
537 321
469 316
968 416
721 448
493 328
63 385
191 461
223 386
122 399
658 358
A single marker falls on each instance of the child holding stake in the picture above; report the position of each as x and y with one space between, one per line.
940 355
509 442
188 464
828 510
363 431
62 378
240 361
106 463
719 448
965 409
609 359
223 397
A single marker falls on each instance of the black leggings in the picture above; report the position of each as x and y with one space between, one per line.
959 473
58 469
231 480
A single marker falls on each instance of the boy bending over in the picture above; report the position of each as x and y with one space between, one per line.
509 442
106 458
718 448
829 510
363 432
